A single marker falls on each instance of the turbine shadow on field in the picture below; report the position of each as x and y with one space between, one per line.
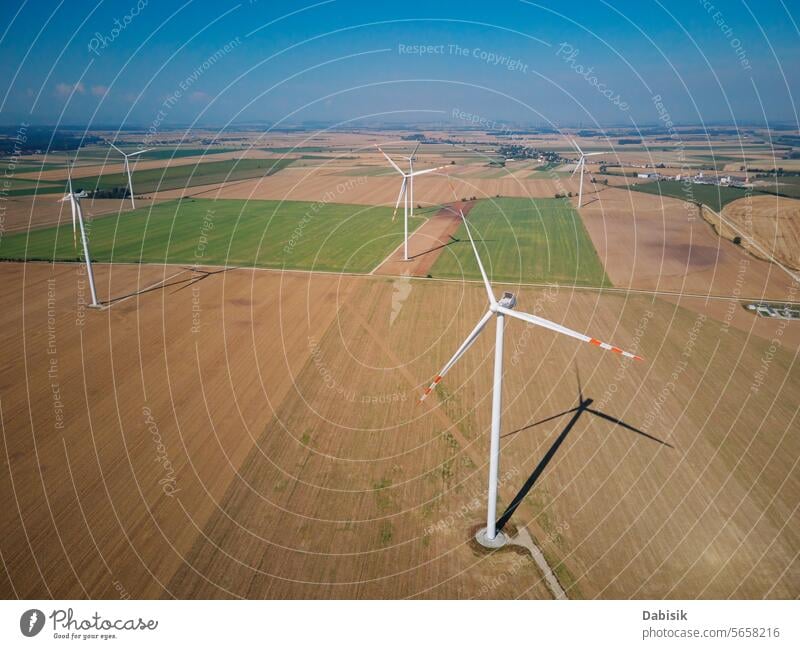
181 283
435 248
453 241
584 405
595 197
200 275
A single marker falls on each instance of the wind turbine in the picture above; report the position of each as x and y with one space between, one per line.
582 166
489 536
128 167
77 216
407 191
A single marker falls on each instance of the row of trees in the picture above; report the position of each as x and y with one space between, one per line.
111 192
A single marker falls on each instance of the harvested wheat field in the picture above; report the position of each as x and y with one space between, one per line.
30 212
659 243
774 223
365 188
256 434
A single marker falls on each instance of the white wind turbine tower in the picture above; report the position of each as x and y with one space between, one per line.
489 536
128 167
77 216
407 191
582 167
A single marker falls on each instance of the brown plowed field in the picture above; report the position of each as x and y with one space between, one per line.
276 449
426 243
658 243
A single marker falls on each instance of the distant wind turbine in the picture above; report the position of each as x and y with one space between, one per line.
407 191
77 218
128 167
582 167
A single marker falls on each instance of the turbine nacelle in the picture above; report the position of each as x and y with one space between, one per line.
73 195
508 301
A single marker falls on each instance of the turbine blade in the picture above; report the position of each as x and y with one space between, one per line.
399 197
390 160
415 151
114 146
547 324
575 144
473 336
71 197
478 258
74 223
595 153
577 166
427 171
139 152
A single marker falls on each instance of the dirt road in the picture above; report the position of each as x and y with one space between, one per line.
426 243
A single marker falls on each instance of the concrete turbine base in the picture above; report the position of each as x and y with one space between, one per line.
498 541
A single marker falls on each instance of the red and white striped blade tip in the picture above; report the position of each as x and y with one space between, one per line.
429 389
616 350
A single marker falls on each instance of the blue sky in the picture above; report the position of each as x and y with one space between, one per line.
509 62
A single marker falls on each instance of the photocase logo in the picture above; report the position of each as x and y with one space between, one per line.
401 288
31 622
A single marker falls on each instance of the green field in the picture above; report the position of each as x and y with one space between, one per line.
367 170
713 196
786 186
95 153
190 175
548 171
273 234
11 168
295 149
525 240
12 186
168 154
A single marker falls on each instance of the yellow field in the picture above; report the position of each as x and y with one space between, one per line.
276 449
773 221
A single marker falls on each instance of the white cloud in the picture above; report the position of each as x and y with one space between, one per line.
66 89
